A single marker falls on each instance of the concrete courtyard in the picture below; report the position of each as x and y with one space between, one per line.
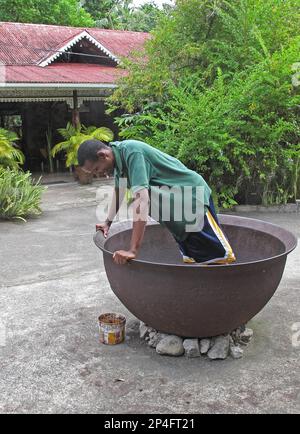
53 287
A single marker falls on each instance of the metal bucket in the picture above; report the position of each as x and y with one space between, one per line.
112 328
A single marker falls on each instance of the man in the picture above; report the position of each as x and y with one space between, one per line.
149 174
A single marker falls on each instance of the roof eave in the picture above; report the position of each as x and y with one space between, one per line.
60 85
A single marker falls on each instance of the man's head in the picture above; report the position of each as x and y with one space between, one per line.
96 157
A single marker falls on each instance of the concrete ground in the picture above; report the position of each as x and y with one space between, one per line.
53 287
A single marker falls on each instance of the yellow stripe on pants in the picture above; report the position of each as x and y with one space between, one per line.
229 255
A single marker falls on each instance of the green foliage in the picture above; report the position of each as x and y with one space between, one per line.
75 136
110 14
20 197
99 9
10 156
60 12
147 16
124 15
216 92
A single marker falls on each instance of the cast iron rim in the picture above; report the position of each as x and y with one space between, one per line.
100 242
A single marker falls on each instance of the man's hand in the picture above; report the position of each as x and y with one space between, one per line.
140 213
121 257
104 227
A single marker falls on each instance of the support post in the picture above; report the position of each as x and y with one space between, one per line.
49 138
75 111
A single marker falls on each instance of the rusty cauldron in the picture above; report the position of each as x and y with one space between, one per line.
193 300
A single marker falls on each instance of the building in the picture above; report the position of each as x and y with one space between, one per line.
50 75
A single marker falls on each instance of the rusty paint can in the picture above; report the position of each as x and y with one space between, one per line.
112 328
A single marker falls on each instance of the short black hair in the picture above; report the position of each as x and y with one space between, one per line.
88 151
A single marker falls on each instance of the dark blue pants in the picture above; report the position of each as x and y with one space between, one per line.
209 245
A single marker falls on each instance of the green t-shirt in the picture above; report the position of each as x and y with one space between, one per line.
147 167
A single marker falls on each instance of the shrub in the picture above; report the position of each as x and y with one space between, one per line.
20 197
10 156
217 92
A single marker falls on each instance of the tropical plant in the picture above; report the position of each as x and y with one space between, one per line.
61 12
215 88
20 197
75 136
10 156
124 14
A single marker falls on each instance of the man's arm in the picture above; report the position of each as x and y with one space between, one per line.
117 200
140 215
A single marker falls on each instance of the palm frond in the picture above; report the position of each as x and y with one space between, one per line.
10 155
62 146
75 137
104 134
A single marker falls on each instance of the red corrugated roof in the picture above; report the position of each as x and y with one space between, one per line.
29 43
63 73
24 46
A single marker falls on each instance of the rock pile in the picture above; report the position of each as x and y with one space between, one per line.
216 348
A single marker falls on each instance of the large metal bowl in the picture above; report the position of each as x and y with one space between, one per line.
197 300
